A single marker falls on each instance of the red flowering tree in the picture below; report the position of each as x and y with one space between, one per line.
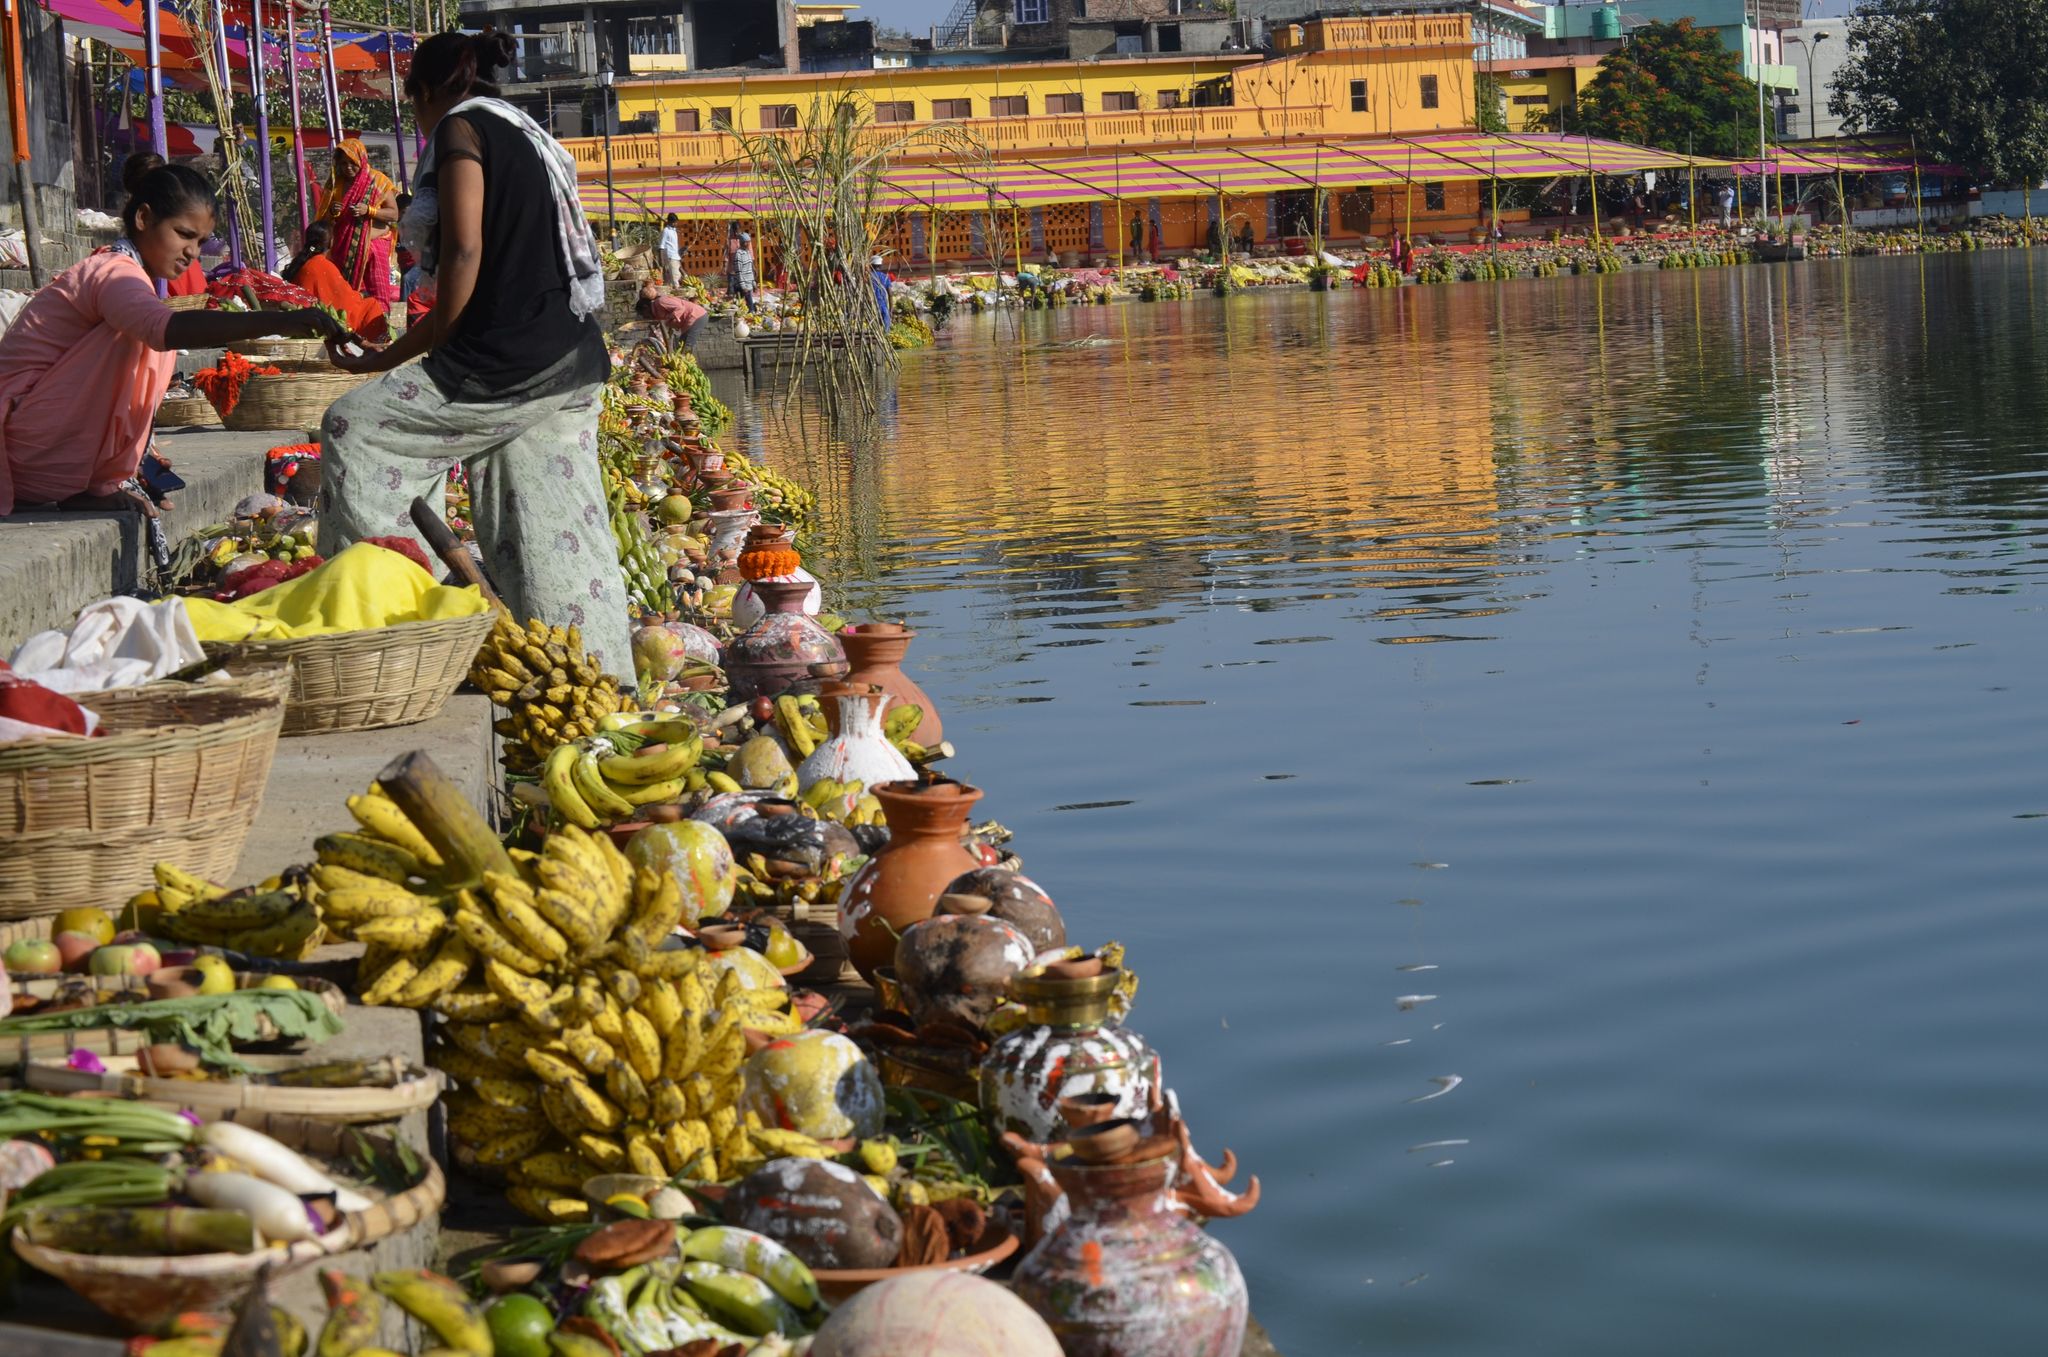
1676 87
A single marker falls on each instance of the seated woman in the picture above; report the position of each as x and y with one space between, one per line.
85 365
192 281
312 270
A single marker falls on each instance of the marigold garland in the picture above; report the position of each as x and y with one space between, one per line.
223 385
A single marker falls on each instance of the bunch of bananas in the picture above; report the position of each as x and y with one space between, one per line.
553 692
270 920
686 377
632 762
646 577
779 498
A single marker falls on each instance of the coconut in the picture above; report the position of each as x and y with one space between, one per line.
699 859
935 1314
817 1083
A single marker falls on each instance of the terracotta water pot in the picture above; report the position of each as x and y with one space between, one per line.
780 648
1066 1049
901 886
857 750
735 497
876 650
1127 1273
957 967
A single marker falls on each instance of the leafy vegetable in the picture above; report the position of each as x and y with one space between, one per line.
208 1023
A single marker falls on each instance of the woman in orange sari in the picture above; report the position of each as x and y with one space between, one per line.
312 270
360 209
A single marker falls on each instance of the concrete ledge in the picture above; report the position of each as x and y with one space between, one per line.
52 564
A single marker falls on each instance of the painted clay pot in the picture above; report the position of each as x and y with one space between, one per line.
728 534
780 648
958 967
856 750
901 886
1017 900
875 651
1127 1273
1065 1049
747 607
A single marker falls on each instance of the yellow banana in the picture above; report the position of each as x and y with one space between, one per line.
451 962
795 727
655 793
441 1305
352 906
370 856
643 1046
174 878
393 978
720 782
404 933
626 1089
556 778
591 786
382 818
603 1151
575 919
239 913
552 1208
495 946
522 921
651 763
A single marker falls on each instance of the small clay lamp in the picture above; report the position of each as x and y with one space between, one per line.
1105 1142
1088 1109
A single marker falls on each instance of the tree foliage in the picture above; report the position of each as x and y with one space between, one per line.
1676 87
1966 79
1489 104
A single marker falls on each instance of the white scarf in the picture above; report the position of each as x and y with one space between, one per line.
420 229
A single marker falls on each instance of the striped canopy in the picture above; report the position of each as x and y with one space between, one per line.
1044 180
1850 155
360 62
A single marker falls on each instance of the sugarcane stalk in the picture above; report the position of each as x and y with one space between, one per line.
131 1231
460 834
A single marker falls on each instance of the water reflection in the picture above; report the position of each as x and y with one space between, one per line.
1735 763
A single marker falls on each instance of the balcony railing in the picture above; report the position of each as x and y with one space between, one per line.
1056 132
1358 35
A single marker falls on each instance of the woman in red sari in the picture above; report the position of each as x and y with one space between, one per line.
312 270
361 206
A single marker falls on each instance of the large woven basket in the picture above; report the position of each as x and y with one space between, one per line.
141 1291
223 1097
178 777
17 1051
186 412
289 400
362 680
196 302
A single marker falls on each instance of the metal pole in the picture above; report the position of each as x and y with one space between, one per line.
604 80
291 67
224 98
153 53
264 186
397 109
331 84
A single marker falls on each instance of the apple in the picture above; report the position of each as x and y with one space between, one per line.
137 958
94 923
130 935
217 977
278 982
33 956
75 948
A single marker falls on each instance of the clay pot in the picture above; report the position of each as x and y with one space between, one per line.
779 649
958 967
1065 1050
875 651
1088 1109
1017 900
856 750
1128 1274
737 497
902 885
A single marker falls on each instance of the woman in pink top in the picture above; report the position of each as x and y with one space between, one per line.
84 366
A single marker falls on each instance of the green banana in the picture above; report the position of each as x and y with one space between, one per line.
441 1305
759 1256
352 1315
741 1300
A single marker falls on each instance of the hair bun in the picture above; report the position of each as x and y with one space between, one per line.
136 169
494 51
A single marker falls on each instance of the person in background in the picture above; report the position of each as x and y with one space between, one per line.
1727 206
85 365
408 263
732 250
743 269
671 251
1137 235
878 278
512 360
1157 254
1215 238
360 209
192 281
679 314
1244 241
312 270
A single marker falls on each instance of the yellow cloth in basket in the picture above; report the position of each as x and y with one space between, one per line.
363 587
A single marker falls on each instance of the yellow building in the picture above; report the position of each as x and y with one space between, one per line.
1539 89
1336 82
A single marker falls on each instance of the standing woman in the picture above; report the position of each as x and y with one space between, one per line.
85 365
513 362
360 209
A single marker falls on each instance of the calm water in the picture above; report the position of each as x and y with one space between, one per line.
1612 705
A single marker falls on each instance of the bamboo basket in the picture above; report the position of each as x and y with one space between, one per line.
364 680
179 776
289 400
193 303
105 1041
218 1098
141 1291
281 352
186 412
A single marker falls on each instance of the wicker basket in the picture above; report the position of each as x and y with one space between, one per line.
141 1291
186 412
285 353
362 680
218 1098
193 303
289 400
18 1051
179 776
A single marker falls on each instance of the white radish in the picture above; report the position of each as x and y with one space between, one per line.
278 1215
277 1163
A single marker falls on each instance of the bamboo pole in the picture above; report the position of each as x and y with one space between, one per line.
224 114
291 67
257 91
467 844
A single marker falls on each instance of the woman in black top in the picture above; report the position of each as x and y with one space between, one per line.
512 361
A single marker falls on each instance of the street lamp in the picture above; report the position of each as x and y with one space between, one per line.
611 214
1812 90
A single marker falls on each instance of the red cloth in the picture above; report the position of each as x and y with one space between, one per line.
190 283
406 547
257 578
31 704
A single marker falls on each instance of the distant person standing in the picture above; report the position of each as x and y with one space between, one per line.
878 278
743 268
732 250
671 251
1727 206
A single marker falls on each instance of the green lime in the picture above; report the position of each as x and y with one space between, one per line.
520 1325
